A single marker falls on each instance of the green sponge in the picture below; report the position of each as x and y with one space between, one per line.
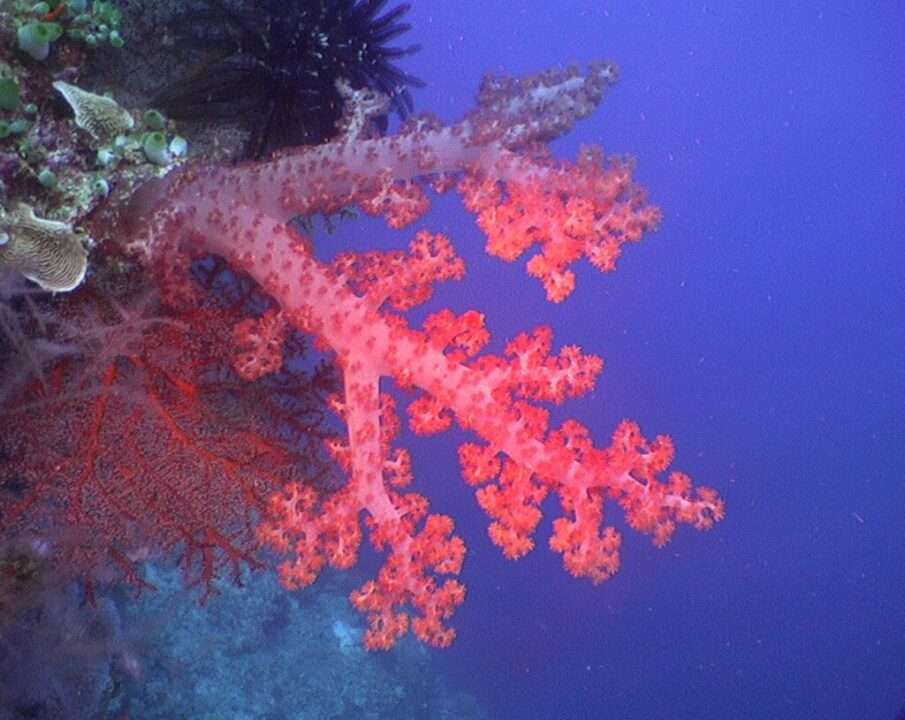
35 38
9 94
155 147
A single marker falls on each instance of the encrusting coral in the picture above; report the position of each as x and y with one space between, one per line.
99 115
47 252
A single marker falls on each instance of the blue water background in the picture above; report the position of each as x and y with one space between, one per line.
762 327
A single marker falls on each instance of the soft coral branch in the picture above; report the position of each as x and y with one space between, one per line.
522 198
493 396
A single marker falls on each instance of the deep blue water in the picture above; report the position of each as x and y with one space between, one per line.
761 327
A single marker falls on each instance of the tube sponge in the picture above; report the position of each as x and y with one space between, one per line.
9 94
35 38
155 147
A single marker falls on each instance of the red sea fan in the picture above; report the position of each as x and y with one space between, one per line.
144 439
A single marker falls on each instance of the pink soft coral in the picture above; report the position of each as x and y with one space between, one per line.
522 198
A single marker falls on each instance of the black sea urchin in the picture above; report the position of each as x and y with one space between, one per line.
273 64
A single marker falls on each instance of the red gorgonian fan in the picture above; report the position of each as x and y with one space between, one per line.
132 429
